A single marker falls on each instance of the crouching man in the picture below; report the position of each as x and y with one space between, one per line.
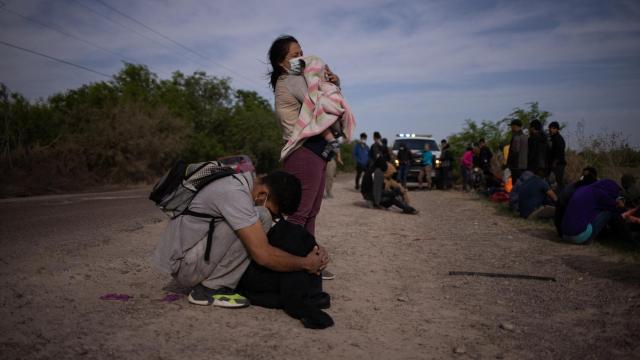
238 237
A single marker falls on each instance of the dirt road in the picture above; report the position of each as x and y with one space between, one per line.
393 297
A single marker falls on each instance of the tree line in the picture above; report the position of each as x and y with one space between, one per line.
130 129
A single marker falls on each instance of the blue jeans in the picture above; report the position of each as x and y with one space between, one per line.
403 171
592 230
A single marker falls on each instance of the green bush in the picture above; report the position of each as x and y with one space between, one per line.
130 129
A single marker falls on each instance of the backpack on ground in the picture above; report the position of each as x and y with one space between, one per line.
175 190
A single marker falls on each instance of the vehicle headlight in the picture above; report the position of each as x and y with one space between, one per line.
396 162
438 162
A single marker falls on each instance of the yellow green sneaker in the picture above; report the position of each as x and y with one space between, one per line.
223 297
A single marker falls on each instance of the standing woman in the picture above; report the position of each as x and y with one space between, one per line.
305 162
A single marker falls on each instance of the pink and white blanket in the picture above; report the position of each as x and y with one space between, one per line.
323 105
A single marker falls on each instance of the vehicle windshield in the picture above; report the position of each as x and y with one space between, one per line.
416 144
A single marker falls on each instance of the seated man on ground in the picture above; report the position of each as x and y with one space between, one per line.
532 197
385 193
591 209
589 176
394 194
298 293
237 239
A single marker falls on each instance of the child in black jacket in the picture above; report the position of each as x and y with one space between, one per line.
298 293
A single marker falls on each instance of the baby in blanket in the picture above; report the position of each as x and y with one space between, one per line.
334 134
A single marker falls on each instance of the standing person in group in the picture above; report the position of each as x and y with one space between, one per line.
485 156
518 150
466 166
361 157
377 167
446 160
330 174
537 148
556 155
404 164
377 149
427 167
306 162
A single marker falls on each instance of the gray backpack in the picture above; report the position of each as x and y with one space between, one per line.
175 190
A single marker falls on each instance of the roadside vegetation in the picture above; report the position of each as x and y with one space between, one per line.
129 130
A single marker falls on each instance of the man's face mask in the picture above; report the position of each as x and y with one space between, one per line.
297 65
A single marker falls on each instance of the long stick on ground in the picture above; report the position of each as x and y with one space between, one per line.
498 275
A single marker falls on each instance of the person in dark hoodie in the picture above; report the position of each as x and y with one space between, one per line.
555 156
537 148
589 176
590 210
404 164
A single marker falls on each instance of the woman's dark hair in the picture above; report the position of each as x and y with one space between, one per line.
277 52
285 191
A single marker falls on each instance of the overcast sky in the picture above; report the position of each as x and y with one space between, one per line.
406 66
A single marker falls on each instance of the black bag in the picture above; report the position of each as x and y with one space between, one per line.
175 190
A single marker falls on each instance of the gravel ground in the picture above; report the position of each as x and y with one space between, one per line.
393 297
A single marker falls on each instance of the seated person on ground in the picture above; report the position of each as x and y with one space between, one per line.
632 221
390 184
373 190
298 293
532 196
630 191
394 194
589 176
237 239
590 210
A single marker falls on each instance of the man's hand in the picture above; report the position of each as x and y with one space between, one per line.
316 260
331 77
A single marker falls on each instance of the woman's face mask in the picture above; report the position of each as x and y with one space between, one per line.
297 65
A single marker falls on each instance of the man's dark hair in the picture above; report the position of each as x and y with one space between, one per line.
554 125
385 141
516 122
363 135
481 141
376 135
285 191
277 52
535 124
443 141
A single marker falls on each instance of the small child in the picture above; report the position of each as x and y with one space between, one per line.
334 135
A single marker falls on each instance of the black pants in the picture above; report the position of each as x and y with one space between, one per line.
359 170
558 171
393 197
446 178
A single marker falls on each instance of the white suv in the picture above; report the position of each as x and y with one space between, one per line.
415 143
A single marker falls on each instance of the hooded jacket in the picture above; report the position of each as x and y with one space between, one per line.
586 203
